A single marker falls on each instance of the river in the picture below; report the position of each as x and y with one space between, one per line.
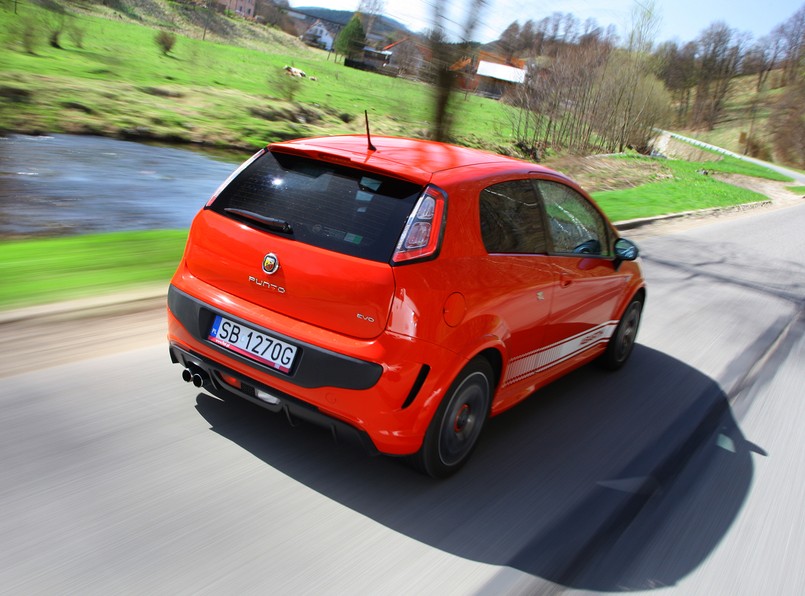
59 185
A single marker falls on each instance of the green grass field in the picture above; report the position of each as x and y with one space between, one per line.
119 83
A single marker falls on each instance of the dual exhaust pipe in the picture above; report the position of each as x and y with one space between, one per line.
199 378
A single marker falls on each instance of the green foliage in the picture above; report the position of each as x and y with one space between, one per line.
352 38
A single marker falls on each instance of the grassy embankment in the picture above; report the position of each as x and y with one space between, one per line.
118 84
684 186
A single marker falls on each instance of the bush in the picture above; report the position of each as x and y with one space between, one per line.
165 40
285 85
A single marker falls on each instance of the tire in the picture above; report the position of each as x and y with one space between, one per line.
622 341
453 433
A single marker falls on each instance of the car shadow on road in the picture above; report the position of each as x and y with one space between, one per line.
569 486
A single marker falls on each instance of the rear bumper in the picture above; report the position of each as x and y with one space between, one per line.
382 391
317 367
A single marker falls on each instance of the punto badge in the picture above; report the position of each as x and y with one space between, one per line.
271 263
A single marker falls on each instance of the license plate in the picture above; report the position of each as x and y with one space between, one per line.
252 344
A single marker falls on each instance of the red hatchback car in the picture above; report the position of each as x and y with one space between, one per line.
400 292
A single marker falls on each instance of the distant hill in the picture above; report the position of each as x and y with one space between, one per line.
382 26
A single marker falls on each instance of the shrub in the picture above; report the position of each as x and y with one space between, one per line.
165 40
284 85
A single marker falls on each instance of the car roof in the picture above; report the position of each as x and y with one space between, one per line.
415 159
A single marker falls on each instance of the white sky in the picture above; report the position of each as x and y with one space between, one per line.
683 20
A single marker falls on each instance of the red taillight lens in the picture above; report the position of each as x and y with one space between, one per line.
422 235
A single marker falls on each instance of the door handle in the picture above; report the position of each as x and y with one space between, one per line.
565 280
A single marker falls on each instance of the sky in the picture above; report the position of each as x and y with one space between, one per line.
682 20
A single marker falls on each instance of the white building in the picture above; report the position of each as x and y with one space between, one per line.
319 35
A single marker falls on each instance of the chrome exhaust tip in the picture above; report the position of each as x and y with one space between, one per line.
199 380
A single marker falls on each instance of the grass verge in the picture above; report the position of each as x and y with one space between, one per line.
684 186
55 269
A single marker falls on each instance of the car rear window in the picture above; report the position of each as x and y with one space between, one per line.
326 205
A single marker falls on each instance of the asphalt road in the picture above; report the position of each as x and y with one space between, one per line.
685 470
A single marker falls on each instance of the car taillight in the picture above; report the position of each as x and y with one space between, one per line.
422 235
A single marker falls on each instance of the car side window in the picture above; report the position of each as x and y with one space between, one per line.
511 221
576 227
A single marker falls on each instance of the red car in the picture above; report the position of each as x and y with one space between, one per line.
401 292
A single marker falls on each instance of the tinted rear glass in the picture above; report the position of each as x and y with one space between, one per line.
330 206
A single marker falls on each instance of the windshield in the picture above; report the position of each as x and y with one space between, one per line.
326 205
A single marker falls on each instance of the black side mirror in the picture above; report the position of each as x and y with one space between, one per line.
625 250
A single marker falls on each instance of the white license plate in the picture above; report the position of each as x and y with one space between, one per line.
252 344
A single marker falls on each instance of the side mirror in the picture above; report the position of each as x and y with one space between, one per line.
625 250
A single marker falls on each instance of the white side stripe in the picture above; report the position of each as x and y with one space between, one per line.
531 363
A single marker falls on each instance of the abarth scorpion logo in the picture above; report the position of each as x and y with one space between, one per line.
271 263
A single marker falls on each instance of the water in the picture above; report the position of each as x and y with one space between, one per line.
63 184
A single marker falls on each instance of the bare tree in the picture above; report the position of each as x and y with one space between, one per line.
720 51
788 126
509 40
763 58
590 97
676 67
792 34
645 23
371 9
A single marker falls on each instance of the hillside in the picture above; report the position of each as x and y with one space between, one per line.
221 84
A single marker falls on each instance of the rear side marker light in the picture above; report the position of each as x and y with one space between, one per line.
422 235
230 380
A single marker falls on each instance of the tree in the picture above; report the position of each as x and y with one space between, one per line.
352 39
763 58
720 50
372 9
676 67
509 40
792 34
788 125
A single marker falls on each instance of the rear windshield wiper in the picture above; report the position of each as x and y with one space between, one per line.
272 223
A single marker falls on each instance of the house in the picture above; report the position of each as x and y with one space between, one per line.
241 7
495 79
489 74
320 36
